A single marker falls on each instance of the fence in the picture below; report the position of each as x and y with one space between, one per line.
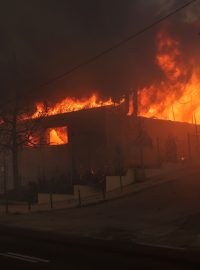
84 195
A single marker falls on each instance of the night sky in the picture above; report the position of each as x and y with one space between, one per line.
42 39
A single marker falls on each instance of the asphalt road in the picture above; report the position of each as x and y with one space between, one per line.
166 214
19 251
158 214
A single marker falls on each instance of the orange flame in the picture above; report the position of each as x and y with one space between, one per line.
72 104
177 96
58 136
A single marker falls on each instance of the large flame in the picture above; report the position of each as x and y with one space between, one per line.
177 96
71 104
59 135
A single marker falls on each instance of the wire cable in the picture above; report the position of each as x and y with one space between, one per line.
117 45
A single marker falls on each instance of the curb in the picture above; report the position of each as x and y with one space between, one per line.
138 187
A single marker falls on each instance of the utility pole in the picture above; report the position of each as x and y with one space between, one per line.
72 157
135 102
4 176
5 182
158 151
196 133
173 112
130 104
189 147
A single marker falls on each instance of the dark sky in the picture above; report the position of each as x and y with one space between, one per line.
49 37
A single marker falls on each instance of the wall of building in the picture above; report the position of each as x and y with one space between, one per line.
44 163
85 150
145 142
105 139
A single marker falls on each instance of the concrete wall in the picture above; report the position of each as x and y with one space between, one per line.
163 170
115 182
129 178
85 191
143 141
105 139
45 197
87 137
112 182
47 162
85 150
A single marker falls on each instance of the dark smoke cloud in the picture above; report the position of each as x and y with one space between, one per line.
50 37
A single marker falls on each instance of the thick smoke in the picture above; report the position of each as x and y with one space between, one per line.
42 39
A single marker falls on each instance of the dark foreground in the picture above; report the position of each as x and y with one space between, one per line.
105 236
17 249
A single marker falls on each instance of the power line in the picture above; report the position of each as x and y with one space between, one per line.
119 44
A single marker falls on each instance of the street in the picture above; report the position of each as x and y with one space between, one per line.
21 251
166 214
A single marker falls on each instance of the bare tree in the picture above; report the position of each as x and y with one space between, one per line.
17 127
17 130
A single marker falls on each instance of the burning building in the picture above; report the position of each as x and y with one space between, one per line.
91 136
73 147
104 140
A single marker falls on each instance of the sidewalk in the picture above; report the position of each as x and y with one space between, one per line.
98 198
148 211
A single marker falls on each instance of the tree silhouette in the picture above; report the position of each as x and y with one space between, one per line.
17 130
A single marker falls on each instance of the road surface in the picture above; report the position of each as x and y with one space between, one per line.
165 215
17 251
